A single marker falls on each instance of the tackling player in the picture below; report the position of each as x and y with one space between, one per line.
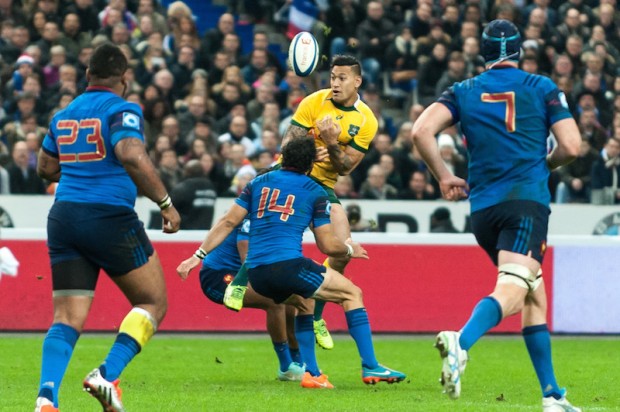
218 270
281 205
506 115
95 149
343 127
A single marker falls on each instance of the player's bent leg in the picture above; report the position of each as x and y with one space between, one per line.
342 230
321 333
337 288
145 288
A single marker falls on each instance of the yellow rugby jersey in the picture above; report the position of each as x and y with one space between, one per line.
359 126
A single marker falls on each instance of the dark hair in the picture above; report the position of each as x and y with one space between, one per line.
298 154
107 61
347 60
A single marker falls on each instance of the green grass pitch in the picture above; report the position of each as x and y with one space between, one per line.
187 373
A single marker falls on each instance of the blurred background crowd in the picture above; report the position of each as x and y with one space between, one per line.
212 80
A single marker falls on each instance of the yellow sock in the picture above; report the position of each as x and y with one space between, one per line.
140 325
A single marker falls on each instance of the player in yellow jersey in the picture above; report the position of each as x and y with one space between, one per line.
343 127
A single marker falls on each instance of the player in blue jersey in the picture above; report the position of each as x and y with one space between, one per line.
281 205
218 270
95 150
506 115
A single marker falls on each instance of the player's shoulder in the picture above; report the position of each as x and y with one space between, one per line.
121 105
318 97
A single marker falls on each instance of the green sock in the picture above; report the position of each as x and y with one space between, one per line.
241 278
319 305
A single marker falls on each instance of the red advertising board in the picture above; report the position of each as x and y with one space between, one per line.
407 288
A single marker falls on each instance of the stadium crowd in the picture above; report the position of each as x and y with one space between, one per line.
205 100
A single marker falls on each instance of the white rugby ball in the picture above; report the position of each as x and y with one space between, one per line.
303 54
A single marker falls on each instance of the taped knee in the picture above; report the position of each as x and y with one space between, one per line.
140 325
515 274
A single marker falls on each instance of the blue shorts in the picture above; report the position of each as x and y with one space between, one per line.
84 237
214 281
278 281
518 226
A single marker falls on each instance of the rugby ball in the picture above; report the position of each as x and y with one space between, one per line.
303 54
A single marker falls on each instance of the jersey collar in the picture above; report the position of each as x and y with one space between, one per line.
99 89
344 108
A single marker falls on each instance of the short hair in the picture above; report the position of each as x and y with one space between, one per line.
193 168
347 60
108 60
298 154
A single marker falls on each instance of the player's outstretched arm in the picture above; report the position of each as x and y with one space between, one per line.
432 121
568 137
215 236
329 244
132 154
48 167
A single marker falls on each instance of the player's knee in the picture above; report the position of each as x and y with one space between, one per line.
356 293
519 275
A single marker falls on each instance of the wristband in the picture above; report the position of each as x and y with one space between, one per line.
200 253
165 203
349 250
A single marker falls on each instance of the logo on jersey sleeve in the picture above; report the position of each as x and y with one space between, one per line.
131 120
563 101
245 226
328 208
353 130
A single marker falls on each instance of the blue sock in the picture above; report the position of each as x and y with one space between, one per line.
304 331
486 314
296 356
284 355
538 344
123 351
57 350
319 305
359 328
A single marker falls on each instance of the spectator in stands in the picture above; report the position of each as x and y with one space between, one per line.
468 29
165 81
234 160
454 161
343 17
441 222
169 169
343 188
229 97
574 49
126 16
591 130
231 45
238 133
162 143
430 73
170 127
18 130
23 178
529 64
474 62
258 64
180 27
455 72
213 38
436 35
388 163
402 61
58 57
260 41
89 21
71 38
216 68
268 120
156 109
265 95
49 7
194 198
196 149
575 178
33 143
375 185
16 43
551 15
270 141
196 109
375 34
151 62
35 25
232 75
49 38
421 20
147 8
214 172
381 144
605 173
203 130
451 20
586 16
12 11
417 188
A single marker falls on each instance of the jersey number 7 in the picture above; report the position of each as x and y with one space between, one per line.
509 99
269 200
92 127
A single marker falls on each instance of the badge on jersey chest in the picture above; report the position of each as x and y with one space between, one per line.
353 130
131 120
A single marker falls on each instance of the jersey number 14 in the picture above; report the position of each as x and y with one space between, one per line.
269 201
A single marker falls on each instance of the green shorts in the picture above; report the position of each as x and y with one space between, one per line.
331 195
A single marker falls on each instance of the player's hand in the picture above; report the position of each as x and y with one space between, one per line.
321 154
454 188
171 220
187 265
329 130
358 251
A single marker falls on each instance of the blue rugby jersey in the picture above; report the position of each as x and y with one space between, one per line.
226 255
83 136
505 115
281 205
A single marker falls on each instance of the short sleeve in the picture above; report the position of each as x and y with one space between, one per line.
244 199
367 132
243 233
555 103
448 99
322 210
126 122
304 115
49 143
